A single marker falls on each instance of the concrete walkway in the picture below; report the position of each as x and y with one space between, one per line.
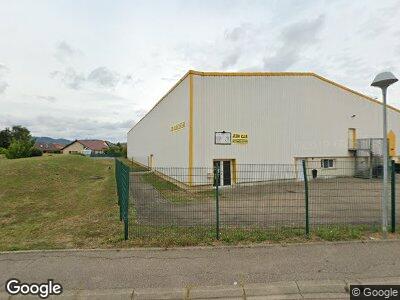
190 268
323 289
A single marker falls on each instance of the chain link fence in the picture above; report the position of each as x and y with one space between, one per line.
122 174
298 197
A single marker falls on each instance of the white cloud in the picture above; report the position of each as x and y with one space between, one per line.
70 78
3 68
100 77
71 127
51 99
3 84
65 52
103 77
294 39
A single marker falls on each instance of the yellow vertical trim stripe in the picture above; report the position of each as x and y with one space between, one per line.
353 134
190 129
234 171
392 143
355 138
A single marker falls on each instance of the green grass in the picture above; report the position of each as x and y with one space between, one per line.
160 183
134 166
143 236
174 193
343 233
60 201
168 189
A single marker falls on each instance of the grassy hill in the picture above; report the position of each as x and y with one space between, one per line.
60 201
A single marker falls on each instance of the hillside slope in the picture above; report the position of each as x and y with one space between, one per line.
61 201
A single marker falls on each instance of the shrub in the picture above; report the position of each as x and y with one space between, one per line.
36 152
113 150
19 149
116 150
3 150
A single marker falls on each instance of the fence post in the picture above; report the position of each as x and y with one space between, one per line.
217 181
306 197
393 196
126 216
126 227
118 179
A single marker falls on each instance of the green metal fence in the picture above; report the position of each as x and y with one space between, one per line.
122 180
301 198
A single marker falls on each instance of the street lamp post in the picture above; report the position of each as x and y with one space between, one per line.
383 80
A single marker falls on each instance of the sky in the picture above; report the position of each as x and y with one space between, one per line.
91 69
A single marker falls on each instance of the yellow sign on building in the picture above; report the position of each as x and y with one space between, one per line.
240 138
178 126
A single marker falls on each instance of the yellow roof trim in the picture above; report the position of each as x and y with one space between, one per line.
251 73
199 73
353 91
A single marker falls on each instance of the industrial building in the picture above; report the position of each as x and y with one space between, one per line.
231 119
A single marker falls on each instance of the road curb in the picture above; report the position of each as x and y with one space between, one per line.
312 289
248 246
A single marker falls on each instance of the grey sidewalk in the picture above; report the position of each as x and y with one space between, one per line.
324 289
209 266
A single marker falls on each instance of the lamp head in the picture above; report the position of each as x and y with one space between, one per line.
384 79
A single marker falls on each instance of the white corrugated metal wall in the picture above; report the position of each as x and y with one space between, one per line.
284 117
153 135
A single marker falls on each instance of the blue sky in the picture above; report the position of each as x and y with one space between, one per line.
91 69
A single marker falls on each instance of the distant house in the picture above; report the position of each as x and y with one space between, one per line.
86 147
49 147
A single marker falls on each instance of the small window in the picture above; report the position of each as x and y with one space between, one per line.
327 163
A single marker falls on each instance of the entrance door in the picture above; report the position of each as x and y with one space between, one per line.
225 177
226 174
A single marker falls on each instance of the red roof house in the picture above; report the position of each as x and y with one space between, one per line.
86 147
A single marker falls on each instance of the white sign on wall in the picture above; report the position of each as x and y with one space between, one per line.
223 138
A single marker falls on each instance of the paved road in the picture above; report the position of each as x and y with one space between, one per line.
148 268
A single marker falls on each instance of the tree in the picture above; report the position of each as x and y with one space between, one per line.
17 133
5 138
17 143
116 150
20 133
113 150
124 151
